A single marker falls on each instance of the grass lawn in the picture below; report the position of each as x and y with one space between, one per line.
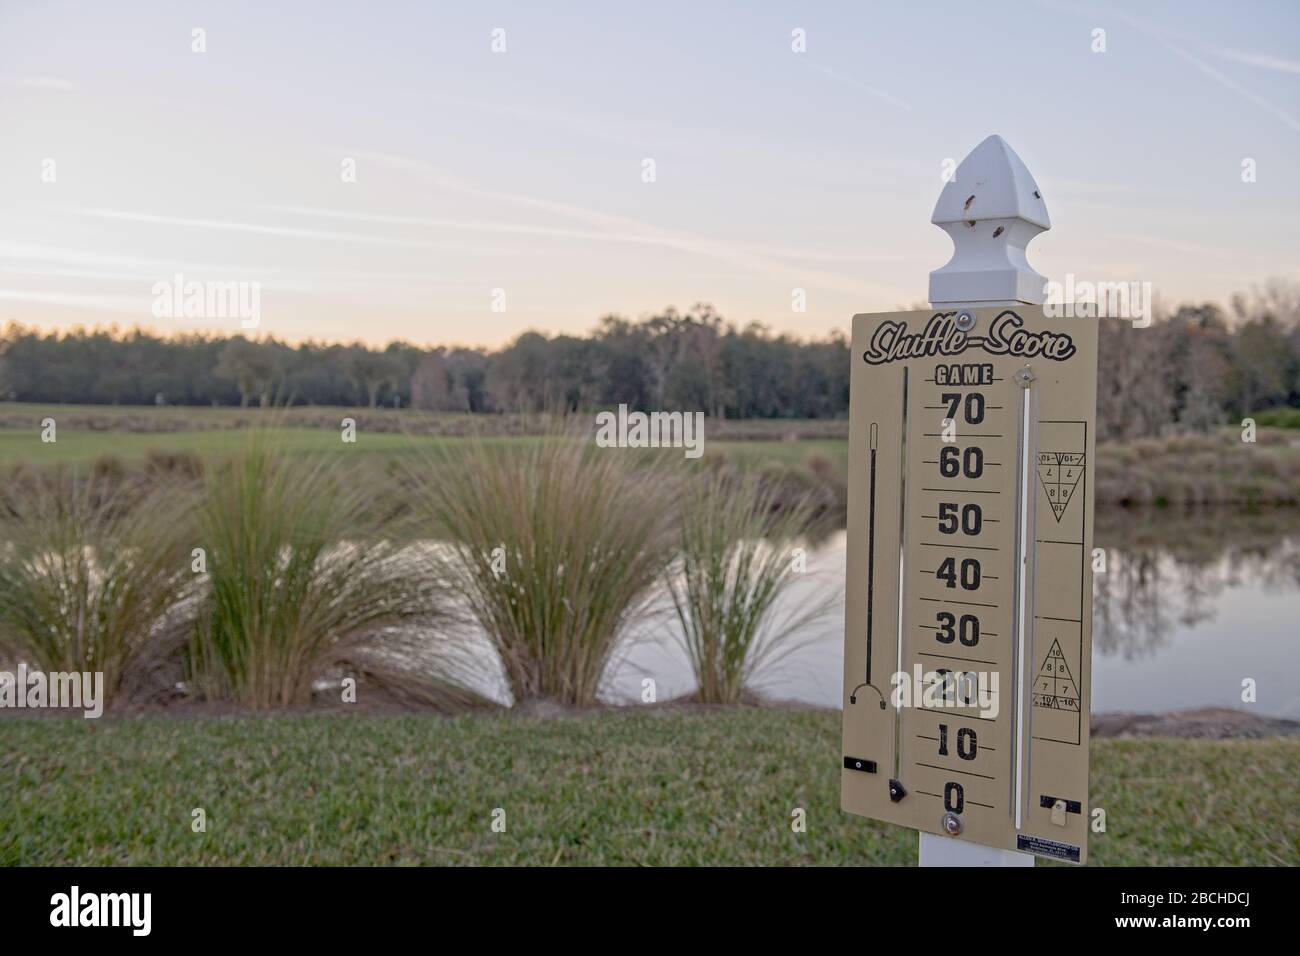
1214 468
661 786
83 447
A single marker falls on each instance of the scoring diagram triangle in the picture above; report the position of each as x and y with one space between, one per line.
1054 687
1058 474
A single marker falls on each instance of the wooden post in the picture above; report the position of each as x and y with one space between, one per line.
991 208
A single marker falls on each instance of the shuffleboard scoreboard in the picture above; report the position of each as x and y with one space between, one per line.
969 583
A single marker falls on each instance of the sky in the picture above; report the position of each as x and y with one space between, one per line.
378 171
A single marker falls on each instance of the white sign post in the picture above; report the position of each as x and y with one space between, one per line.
986 271
968 624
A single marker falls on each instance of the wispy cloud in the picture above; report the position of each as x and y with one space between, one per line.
1166 37
228 225
1179 245
1263 60
628 229
470 225
19 252
651 237
25 262
736 255
40 83
1236 87
857 84
136 305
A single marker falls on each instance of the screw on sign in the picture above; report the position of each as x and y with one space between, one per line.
969 585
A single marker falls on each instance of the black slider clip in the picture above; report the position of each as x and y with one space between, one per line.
858 763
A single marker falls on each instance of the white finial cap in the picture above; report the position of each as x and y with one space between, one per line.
991 208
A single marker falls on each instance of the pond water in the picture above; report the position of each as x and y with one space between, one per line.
1190 605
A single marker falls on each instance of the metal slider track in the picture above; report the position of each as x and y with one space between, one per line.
1023 623
902 578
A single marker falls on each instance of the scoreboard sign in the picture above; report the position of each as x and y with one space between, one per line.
968 605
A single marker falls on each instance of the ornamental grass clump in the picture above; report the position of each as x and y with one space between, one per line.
554 544
301 581
736 564
91 579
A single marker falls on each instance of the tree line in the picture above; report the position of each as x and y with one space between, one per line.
1193 367
1200 365
692 361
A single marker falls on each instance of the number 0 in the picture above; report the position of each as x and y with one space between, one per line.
954 797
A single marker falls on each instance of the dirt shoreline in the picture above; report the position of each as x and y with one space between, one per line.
1212 723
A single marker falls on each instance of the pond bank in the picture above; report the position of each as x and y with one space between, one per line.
1202 723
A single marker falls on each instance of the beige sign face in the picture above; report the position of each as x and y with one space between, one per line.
968 608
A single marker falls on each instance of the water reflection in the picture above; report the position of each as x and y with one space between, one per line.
1167 572
1189 606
